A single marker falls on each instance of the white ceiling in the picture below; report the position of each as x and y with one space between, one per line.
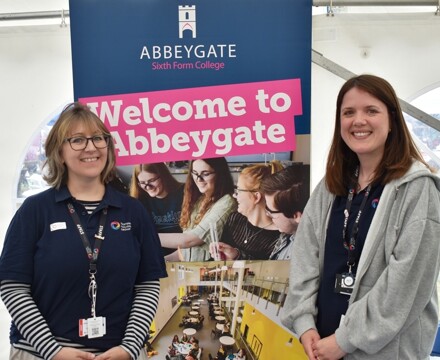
12 6
29 6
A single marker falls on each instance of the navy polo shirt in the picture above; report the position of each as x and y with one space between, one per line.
43 248
332 305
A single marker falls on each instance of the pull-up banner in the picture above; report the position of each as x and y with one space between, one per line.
179 80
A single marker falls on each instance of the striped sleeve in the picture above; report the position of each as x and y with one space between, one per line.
144 308
28 319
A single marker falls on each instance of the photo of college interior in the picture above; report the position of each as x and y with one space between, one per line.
227 305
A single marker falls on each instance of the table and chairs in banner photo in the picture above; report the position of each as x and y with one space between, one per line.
213 332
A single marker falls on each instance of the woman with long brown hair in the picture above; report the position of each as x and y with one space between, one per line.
365 259
207 202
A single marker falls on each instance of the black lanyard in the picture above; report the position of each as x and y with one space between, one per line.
99 236
91 254
351 245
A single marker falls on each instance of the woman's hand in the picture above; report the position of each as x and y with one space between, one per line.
308 340
328 349
115 353
67 353
222 251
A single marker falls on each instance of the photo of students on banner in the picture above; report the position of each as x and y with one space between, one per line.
207 201
161 194
204 220
249 232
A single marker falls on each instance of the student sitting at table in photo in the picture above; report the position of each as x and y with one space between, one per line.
184 339
173 354
192 339
207 201
184 320
192 355
195 344
221 353
240 355
175 340
161 194
249 233
285 202
226 330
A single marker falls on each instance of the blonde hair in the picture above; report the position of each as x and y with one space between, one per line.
74 113
255 174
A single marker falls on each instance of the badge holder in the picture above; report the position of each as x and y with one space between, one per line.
94 326
344 283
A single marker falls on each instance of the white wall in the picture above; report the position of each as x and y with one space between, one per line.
404 49
35 80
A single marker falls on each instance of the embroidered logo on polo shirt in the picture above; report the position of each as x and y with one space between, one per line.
116 225
58 226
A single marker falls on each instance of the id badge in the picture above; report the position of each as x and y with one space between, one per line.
344 283
92 327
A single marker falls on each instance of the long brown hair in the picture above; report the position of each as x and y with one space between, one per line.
159 169
223 184
74 113
400 150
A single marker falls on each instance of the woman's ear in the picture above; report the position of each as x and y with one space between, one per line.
297 216
258 197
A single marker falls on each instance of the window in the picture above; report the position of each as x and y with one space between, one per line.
30 180
426 137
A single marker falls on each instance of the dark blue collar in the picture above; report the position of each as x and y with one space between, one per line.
112 197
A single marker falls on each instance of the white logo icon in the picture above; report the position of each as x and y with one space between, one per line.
187 20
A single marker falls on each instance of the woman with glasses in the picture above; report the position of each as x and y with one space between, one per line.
249 232
161 194
285 198
365 260
207 203
81 262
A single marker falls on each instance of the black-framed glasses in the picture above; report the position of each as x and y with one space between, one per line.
78 143
203 176
237 190
148 184
271 213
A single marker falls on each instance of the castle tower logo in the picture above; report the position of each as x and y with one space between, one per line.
187 20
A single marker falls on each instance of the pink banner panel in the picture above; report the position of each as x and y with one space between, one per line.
203 122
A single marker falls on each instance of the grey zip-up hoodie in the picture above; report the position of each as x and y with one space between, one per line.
392 311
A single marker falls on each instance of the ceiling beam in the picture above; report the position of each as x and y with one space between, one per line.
65 13
35 15
375 2
334 68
